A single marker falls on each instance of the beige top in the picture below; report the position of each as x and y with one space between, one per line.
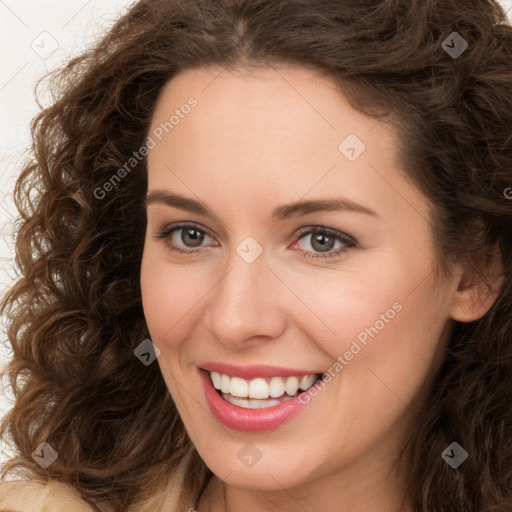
56 496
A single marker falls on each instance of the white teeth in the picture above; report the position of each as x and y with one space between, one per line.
216 379
225 383
276 388
259 388
239 387
254 404
291 386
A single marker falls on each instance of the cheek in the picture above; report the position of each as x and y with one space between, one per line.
390 349
171 297
378 379
388 320
346 307
167 299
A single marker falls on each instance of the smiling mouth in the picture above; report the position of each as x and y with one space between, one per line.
260 393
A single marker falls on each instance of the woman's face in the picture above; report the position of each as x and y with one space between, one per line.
259 282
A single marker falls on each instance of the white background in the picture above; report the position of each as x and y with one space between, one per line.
29 31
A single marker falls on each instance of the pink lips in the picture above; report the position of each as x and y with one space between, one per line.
248 420
253 371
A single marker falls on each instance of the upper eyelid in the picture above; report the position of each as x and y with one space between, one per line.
305 230
186 225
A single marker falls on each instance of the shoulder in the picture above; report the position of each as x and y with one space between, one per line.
31 496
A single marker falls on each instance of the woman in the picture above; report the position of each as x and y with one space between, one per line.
268 266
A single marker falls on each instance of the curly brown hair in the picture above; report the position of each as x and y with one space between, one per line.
75 314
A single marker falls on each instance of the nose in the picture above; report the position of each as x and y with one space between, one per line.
247 303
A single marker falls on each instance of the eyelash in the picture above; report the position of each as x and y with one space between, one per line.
337 235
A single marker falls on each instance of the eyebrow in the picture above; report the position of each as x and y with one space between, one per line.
296 209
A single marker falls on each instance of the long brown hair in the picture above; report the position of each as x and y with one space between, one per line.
75 314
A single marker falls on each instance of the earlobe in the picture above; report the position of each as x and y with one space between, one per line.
473 297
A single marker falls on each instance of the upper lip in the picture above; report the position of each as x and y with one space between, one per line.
253 371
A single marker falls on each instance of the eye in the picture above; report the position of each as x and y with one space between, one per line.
191 236
324 240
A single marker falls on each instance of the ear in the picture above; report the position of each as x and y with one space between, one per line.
473 298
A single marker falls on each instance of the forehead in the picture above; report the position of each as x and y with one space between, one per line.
273 132
262 97
288 110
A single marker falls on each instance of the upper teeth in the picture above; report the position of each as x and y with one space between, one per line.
259 388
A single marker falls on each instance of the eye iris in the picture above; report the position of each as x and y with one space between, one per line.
196 238
323 246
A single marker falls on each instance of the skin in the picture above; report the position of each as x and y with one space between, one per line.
255 141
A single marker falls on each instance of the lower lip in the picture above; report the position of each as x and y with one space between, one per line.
248 420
